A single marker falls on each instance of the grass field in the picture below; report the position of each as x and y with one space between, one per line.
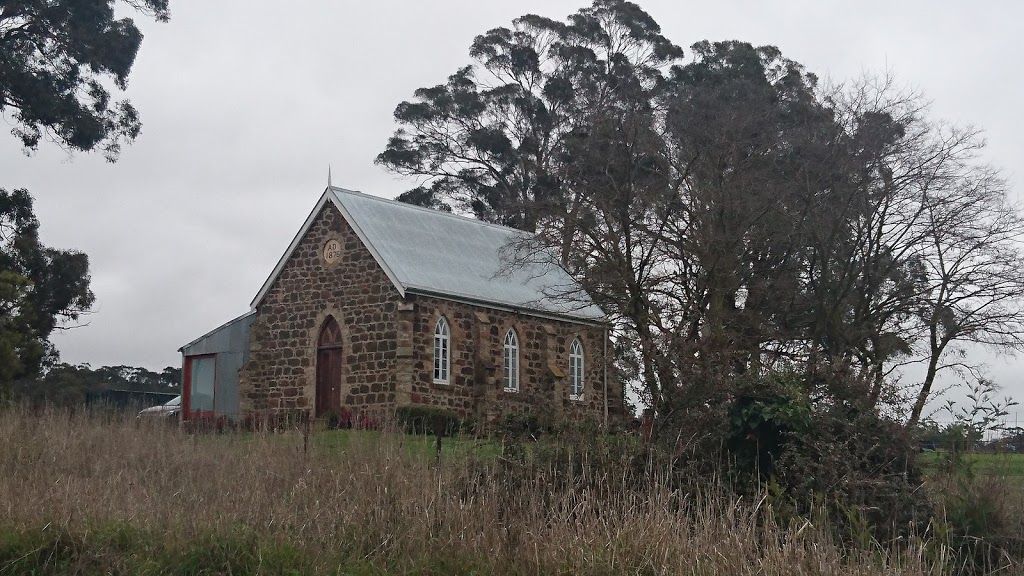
1009 465
90 496
338 442
1006 464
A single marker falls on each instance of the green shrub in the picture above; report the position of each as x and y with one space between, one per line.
764 419
981 515
812 456
428 420
525 425
863 468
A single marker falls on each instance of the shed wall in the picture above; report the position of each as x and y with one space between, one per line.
230 345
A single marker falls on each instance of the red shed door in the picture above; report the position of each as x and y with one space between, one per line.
200 386
328 368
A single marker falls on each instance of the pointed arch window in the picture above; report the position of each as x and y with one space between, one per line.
576 370
511 361
442 351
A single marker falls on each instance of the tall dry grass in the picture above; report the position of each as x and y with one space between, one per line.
374 502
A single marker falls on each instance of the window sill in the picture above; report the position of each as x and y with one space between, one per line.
576 397
511 390
444 383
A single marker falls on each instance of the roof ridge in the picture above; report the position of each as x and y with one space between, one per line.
336 189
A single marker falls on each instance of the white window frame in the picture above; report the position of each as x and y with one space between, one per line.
510 361
576 364
442 351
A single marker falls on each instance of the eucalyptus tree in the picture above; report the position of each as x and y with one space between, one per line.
41 288
745 135
57 59
617 183
681 213
492 139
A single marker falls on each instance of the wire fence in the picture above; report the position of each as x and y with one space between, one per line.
1008 427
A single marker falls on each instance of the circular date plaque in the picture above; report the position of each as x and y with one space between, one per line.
332 251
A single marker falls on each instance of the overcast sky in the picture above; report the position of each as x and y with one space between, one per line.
244 104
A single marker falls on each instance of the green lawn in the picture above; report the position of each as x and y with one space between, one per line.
420 445
340 441
1006 464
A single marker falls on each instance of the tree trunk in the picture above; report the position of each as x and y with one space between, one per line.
926 388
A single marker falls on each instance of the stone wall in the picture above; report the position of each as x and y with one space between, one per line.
476 386
280 375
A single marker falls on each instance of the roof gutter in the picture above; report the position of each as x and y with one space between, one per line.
598 322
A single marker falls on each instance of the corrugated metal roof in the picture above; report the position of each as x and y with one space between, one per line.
434 252
223 326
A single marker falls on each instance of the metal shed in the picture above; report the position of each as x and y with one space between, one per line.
209 367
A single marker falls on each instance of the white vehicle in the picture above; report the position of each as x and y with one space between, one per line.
168 410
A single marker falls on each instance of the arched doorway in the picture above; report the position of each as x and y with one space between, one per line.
328 368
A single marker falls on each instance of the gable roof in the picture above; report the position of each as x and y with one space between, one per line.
437 253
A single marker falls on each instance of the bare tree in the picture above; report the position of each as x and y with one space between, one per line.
974 265
917 251
618 183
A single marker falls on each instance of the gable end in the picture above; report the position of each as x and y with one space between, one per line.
324 199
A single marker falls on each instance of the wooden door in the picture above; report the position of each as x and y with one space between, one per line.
328 368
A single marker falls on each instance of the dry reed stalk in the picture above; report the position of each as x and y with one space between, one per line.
372 498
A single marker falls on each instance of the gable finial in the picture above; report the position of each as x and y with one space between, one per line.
329 176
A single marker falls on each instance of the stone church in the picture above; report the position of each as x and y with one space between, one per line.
377 304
